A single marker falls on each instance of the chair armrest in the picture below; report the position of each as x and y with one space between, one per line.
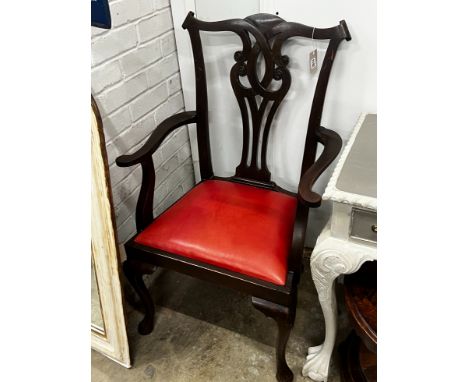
144 207
332 145
156 138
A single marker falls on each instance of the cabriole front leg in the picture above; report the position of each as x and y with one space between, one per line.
284 317
134 271
331 258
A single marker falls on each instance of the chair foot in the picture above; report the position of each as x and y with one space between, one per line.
134 271
284 317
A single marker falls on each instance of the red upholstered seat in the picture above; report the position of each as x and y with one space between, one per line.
241 228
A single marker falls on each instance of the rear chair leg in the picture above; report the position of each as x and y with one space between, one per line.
284 317
134 271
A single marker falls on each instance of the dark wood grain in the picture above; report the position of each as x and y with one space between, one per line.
332 146
361 302
284 317
143 156
134 271
156 138
269 33
357 363
262 35
359 351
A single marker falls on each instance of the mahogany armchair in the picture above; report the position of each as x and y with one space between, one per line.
243 232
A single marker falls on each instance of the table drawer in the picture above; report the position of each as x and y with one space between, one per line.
363 225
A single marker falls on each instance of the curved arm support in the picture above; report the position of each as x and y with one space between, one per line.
143 156
332 146
144 207
156 138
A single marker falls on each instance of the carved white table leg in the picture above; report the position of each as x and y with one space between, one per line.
331 258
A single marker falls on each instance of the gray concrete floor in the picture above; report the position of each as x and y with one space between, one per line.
207 333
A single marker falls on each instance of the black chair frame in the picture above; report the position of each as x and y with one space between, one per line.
261 35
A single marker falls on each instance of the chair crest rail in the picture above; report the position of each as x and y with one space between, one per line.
262 36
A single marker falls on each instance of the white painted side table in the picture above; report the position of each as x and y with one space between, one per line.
350 237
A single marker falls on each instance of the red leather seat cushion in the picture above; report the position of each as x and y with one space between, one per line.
241 228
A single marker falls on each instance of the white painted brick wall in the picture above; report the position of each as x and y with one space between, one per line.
155 25
136 83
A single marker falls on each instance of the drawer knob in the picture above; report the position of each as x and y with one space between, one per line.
374 228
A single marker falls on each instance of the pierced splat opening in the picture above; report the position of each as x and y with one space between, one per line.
260 80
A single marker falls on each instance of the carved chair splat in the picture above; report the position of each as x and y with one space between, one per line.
269 274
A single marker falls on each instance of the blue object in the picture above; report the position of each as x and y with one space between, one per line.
100 14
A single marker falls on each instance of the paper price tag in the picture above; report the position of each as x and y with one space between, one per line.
313 60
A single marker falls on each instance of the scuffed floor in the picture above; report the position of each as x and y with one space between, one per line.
207 333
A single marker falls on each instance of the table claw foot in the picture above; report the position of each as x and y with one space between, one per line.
330 258
316 366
